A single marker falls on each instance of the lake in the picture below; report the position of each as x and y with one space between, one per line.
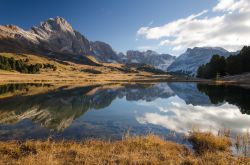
40 111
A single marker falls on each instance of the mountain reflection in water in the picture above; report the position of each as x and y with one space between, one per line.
39 111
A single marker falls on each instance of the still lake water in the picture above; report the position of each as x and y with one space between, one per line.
27 111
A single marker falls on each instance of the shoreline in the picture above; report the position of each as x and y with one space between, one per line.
117 78
9 77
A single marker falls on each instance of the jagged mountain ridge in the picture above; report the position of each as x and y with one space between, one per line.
189 62
103 52
159 61
52 36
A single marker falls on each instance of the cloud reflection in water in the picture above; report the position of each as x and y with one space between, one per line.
176 115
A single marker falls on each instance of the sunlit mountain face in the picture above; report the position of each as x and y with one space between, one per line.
39 111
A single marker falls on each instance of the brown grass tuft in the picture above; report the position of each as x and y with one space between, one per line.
207 142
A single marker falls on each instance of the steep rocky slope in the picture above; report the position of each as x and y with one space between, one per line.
189 62
159 61
52 36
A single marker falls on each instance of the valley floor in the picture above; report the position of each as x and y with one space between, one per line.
68 72
82 78
150 149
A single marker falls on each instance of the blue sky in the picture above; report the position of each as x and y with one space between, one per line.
116 22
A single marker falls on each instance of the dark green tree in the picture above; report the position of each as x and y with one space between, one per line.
219 66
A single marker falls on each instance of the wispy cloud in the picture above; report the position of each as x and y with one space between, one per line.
148 47
167 30
232 5
229 27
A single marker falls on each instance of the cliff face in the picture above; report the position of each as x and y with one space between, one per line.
103 52
52 36
159 61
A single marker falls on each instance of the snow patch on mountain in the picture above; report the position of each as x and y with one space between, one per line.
159 61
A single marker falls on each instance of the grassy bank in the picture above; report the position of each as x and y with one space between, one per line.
151 149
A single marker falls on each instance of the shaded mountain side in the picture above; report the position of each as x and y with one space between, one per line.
103 52
145 68
189 62
78 59
149 57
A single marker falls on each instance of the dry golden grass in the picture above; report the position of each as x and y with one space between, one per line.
149 149
68 72
207 142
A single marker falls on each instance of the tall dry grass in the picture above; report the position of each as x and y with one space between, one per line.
242 143
150 149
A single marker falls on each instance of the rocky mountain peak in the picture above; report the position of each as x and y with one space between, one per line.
103 52
12 27
56 24
199 49
189 62
150 57
151 52
53 36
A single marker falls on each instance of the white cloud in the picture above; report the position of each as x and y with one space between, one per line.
229 28
224 5
232 5
145 48
168 29
177 48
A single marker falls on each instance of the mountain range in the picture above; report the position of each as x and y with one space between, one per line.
189 62
57 39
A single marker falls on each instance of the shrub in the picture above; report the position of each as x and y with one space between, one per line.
22 66
207 142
